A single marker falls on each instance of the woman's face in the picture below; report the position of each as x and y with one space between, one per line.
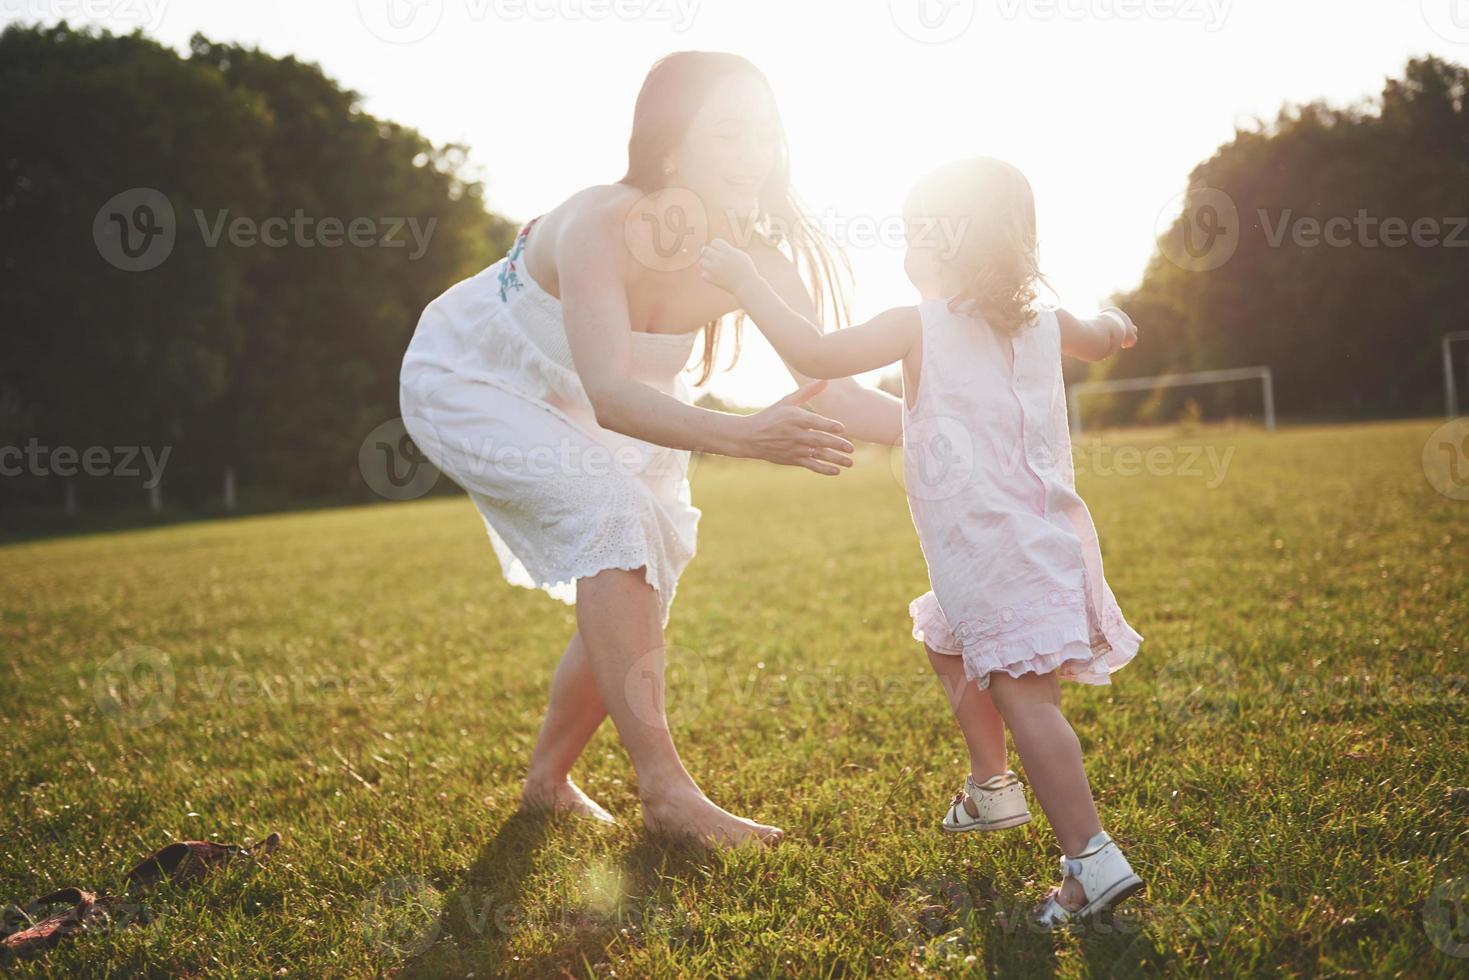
730 149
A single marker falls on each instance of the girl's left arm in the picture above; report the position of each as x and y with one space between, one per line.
868 415
1098 338
883 340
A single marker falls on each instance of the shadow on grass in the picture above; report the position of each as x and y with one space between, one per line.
1111 947
1014 949
569 930
1118 945
1114 945
481 915
946 918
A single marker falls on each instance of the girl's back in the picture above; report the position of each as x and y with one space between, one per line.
1018 594
1012 551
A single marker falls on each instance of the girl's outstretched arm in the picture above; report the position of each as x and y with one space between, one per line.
883 340
1098 338
868 414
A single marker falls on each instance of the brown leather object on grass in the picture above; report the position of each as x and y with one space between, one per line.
183 863
81 913
189 861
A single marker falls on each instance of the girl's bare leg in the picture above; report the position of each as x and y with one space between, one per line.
619 620
984 730
573 716
1051 754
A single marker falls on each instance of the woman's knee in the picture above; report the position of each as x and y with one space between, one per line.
623 590
616 578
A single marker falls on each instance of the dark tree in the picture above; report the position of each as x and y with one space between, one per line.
1349 322
273 351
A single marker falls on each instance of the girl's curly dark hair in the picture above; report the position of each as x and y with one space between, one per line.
986 211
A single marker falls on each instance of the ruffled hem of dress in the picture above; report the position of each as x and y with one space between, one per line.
1066 650
930 627
564 590
637 545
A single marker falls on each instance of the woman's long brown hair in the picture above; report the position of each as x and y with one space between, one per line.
676 87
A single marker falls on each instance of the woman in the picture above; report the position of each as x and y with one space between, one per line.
547 386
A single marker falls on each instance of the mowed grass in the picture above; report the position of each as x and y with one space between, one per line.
1284 762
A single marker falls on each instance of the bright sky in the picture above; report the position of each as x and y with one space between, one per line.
1105 104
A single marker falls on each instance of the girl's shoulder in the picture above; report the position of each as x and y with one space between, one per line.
935 310
968 333
940 315
1046 327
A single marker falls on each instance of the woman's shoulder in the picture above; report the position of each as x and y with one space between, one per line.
604 206
592 222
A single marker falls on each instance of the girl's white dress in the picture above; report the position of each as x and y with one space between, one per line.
1013 557
489 394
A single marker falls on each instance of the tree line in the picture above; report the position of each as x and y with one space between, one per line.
212 263
218 255
1331 245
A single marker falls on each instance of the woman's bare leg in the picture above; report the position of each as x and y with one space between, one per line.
619 620
1051 754
983 729
573 716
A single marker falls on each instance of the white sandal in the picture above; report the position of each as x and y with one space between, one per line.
999 802
1105 877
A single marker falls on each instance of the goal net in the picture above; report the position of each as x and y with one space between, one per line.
1450 382
1262 374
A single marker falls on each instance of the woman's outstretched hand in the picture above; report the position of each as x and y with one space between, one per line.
788 434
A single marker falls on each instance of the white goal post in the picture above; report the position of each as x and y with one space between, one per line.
1450 387
1267 388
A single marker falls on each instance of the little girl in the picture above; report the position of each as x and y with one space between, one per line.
1018 596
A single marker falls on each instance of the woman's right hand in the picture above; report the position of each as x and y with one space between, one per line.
788 434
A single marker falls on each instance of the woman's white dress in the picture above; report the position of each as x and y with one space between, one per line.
489 394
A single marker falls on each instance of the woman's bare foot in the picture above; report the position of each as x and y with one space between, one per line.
690 813
562 796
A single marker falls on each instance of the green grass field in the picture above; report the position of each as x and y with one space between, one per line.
1284 761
